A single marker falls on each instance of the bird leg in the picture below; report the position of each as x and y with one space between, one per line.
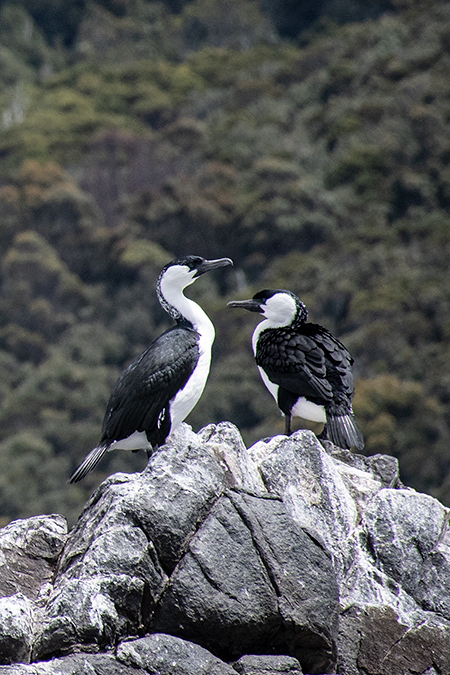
150 451
287 425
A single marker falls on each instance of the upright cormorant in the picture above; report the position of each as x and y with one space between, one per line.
161 386
305 368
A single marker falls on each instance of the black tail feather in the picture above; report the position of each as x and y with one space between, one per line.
89 463
343 431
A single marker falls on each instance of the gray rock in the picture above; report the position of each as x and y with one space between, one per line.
267 664
390 550
378 643
301 473
16 624
386 468
252 577
76 664
29 550
381 467
234 577
384 627
433 588
111 573
168 655
216 553
227 446
404 527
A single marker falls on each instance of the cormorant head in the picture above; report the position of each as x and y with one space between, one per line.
280 307
183 271
180 273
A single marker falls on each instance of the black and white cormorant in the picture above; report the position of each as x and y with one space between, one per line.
305 368
161 386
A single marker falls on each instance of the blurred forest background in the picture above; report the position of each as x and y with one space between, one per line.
307 140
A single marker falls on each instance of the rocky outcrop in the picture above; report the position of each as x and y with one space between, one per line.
287 557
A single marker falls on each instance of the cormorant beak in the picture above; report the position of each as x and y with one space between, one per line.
208 265
252 305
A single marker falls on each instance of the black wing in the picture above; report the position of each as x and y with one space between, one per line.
308 361
339 369
144 389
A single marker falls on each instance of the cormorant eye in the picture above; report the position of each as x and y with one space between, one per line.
196 262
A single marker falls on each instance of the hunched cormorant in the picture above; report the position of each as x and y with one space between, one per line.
305 368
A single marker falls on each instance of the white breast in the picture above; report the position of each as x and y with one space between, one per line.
185 400
273 388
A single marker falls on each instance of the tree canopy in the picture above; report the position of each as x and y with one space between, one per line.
315 153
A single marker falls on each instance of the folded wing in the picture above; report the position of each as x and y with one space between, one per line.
150 381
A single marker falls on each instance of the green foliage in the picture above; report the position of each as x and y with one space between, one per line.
58 121
40 294
140 252
234 24
144 31
321 168
26 459
52 418
25 59
56 18
363 166
222 67
398 417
